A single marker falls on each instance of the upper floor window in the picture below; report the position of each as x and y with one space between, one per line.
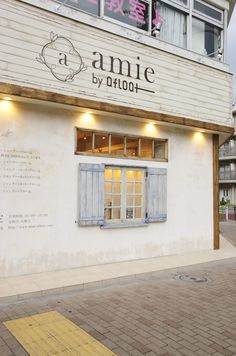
191 24
170 22
91 6
206 38
132 12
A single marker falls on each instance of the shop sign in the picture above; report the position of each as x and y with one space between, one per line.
65 62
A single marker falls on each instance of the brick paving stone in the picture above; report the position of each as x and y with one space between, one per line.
155 315
120 352
5 351
221 349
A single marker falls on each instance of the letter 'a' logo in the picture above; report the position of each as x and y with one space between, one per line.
61 57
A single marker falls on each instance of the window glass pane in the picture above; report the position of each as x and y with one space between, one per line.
138 200
138 213
159 149
116 200
84 141
217 15
101 143
129 200
108 213
90 6
138 175
117 145
146 148
129 213
116 188
132 147
170 23
138 188
108 187
116 174
130 188
108 200
132 12
108 174
130 175
206 38
116 213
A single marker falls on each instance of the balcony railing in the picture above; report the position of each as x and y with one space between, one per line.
228 175
227 152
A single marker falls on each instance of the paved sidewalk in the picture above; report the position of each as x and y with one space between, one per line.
159 315
228 229
17 288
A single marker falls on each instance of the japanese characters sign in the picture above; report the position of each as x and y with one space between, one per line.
131 12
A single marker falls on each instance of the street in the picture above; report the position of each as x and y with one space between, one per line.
182 311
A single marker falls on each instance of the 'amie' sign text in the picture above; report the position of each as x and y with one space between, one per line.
124 68
65 63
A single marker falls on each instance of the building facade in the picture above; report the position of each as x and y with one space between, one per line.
111 117
227 173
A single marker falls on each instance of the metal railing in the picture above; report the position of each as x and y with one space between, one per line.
227 175
228 151
227 213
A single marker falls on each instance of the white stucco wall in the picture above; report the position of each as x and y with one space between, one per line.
56 241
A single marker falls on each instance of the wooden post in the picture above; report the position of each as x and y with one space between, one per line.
215 151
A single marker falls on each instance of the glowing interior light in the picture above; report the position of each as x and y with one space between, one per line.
8 98
150 128
5 105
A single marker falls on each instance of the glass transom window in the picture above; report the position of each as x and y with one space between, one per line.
121 146
124 195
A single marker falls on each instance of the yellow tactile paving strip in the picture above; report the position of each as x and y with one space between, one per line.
52 334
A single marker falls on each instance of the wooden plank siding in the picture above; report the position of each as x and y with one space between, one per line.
43 95
183 88
215 158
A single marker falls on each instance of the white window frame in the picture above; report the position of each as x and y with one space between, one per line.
188 10
149 30
206 17
123 204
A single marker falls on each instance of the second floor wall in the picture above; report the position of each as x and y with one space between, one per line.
43 50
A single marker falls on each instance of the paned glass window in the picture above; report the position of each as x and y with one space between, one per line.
91 6
132 147
132 12
117 195
208 10
170 22
206 38
147 148
115 145
101 143
84 141
124 194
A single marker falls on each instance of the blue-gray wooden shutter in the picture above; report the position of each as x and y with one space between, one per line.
156 198
91 194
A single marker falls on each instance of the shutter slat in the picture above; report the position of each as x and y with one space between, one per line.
156 194
91 194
